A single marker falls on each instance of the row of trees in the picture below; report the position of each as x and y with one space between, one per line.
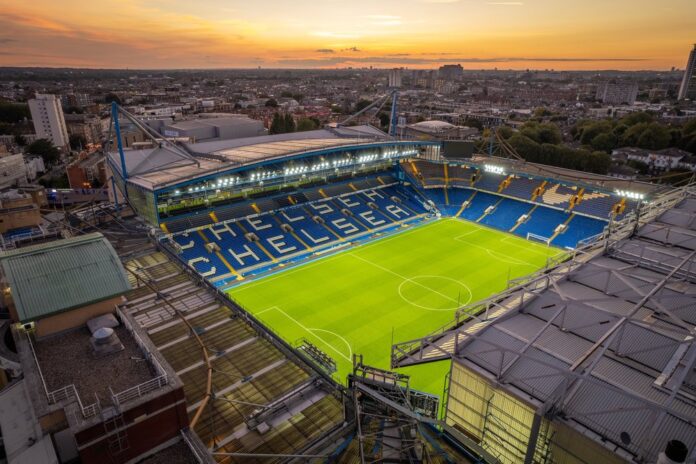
539 142
635 130
282 124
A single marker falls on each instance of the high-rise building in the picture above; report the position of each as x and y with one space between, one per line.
617 93
395 78
49 122
688 84
451 71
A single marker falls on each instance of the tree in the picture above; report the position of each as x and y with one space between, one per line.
44 149
271 103
654 137
20 140
112 97
77 141
306 124
604 142
277 124
12 113
361 105
289 123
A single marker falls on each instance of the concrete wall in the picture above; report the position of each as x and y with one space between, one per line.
74 318
144 427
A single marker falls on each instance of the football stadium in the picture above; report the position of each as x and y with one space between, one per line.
504 311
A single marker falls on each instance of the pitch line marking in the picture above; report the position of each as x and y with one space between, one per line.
492 255
459 304
310 331
350 350
403 277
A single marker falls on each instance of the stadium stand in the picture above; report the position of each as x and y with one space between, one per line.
256 243
478 206
596 204
506 214
578 228
522 187
248 369
542 222
489 181
557 195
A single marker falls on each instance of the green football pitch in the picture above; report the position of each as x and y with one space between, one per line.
401 287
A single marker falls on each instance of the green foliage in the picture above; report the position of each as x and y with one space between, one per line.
282 124
634 130
306 124
361 105
14 112
289 123
271 103
44 149
277 124
542 132
559 155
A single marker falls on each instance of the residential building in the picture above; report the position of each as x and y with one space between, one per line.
617 93
49 123
395 78
87 126
451 71
687 89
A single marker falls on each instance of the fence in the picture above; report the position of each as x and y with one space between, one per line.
143 388
67 393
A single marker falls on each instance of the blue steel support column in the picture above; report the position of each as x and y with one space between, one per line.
117 127
393 122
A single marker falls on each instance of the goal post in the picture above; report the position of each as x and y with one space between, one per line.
538 238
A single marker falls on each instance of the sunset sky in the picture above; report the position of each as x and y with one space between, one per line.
558 34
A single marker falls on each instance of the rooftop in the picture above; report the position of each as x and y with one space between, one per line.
163 166
606 340
57 276
67 359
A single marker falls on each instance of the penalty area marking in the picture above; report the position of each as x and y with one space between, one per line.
458 304
311 332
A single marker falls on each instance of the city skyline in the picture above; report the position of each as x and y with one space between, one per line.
479 34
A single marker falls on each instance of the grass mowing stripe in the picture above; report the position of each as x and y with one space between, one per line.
403 284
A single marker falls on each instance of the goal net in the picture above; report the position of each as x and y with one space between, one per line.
538 238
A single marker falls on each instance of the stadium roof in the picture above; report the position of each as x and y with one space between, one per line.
606 341
57 276
164 166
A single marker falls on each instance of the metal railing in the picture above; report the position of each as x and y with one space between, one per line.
66 393
142 389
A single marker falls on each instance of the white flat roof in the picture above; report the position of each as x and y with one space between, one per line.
162 166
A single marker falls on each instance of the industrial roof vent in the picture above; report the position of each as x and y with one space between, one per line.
105 341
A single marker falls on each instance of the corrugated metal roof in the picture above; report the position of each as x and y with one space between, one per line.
57 276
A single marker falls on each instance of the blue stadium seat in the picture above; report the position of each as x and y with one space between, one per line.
277 242
238 251
579 228
543 221
479 204
489 182
304 226
343 225
522 187
506 214
195 255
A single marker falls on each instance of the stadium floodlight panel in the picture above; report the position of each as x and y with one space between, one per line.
631 195
493 169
